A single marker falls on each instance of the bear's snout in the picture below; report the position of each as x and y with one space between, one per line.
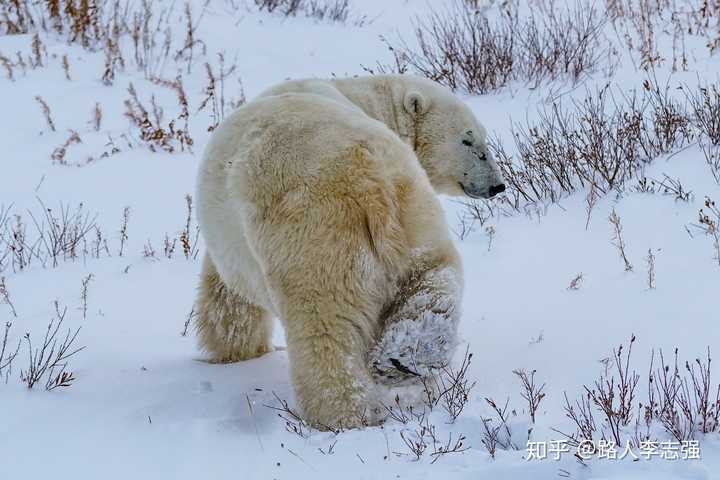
495 189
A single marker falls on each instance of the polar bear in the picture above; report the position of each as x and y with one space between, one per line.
317 203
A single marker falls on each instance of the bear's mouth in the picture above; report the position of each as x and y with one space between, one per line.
473 193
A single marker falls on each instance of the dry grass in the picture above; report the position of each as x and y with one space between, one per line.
467 49
140 36
7 354
453 388
709 224
46 113
532 392
70 233
641 24
130 34
8 65
153 132
5 297
58 155
85 294
215 99
651 277
97 117
576 282
448 388
497 433
323 10
683 402
618 240
602 144
190 237
48 363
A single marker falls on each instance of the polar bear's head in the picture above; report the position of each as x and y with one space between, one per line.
449 141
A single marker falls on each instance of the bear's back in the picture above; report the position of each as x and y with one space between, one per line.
285 141
291 149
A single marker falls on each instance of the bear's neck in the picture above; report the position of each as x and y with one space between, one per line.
377 97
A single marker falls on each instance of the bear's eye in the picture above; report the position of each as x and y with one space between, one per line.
467 142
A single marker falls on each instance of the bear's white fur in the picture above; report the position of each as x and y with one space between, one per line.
317 202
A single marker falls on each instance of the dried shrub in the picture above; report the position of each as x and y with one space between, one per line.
684 404
191 41
48 362
46 112
189 239
532 393
711 153
496 428
63 234
38 52
152 132
58 155
456 387
709 224
576 282
8 65
602 144
587 147
215 91
618 240
124 230
424 436
666 186
66 67
323 10
464 48
446 386
286 7
107 26
16 17
114 61
704 104
650 260
5 297
151 38
188 321
450 388
639 24
611 397
293 421
7 355
330 10
84 294
97 117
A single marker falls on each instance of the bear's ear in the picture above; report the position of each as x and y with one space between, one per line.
415 103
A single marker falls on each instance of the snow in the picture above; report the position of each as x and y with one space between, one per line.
420 333
145 404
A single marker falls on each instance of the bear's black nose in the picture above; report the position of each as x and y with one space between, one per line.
495 189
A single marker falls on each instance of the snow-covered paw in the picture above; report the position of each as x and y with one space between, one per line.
417 342
419 327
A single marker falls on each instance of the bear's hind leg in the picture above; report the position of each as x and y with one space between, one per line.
327 349
420 325
230 328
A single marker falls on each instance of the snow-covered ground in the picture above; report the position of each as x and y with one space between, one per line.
144 404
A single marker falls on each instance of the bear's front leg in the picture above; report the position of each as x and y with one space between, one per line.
420 326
